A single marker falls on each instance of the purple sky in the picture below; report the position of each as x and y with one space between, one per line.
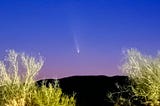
100 29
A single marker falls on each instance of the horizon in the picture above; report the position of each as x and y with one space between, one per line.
79 37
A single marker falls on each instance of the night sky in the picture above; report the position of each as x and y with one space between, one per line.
79 37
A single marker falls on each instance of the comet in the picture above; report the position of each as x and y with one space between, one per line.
78 51
76 45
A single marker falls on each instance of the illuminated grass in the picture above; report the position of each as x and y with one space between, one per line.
19 89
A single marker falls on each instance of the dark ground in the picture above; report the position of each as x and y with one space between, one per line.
91 90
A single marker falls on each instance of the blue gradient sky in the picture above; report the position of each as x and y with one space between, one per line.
102 29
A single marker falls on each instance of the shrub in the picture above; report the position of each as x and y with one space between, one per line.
144 72
47 96
17 87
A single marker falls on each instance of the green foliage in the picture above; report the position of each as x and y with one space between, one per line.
19 89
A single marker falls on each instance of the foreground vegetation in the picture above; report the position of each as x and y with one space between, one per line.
144 72
17 88
17 84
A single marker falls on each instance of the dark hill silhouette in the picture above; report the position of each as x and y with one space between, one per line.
90 90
